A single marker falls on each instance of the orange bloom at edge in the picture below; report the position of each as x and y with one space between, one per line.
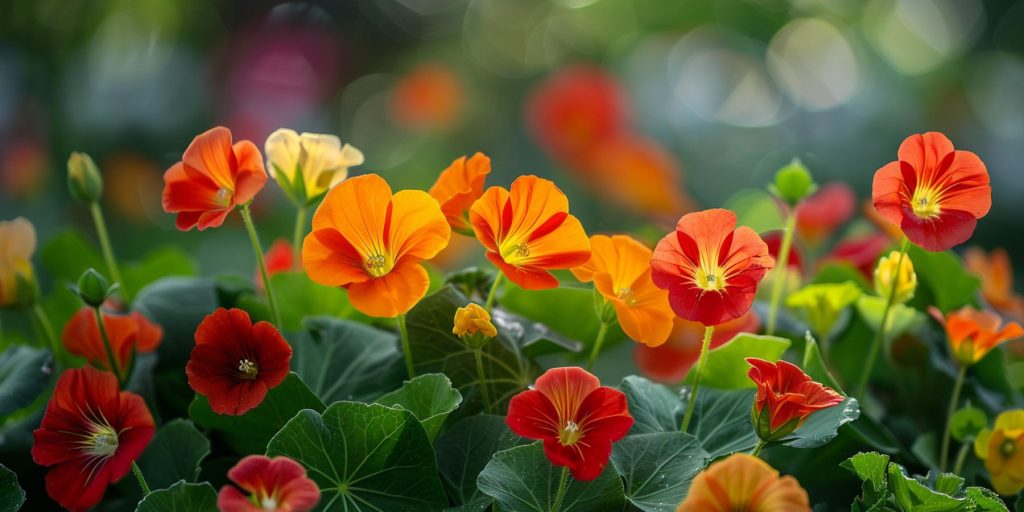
996 274
744 482
459 186
371 243
972 334
128 335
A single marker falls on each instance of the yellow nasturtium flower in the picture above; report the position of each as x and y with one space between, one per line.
906 282
308 165
17 244
1002 449
473 325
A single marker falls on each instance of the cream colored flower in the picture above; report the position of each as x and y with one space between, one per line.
17 245
320 160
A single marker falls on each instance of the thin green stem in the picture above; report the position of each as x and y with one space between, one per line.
563 484
406 347
601 333
876 345
485 393
953 402
47 327
705 346
106 346
494 291
108 251
300 231
142 480
756 452
961 457
780 271
261 262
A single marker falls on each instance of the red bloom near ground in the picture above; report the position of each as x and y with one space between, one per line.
278 484
280 258
212 178
91 433
672 360
935 194
786 396
235 362
710 267
128 334
577 418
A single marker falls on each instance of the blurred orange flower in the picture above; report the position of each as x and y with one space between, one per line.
128 335
972 334
17 245
459 186
821 214
428 98
744 482
371 243
637 173
671 361
996 276
528 231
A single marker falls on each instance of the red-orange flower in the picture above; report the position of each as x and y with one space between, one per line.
973 334
428 98
279 484
212 178
818 216
91 433
637 173
280 258
528 230
935 194
860 251
128 335
577 418
459 186
786 396
235 362
773 239
671 361
747 483
996 274
710 267
371 243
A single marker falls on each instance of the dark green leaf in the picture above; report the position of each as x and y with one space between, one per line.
967 423
68 254
911 494
948 483
23 377
548 307
658 468
654 407
429 397
298 297
166 261
726 365
181 497
11 494
178 304
533 338
945 281
464 450
823 426
721 420
175 454
814 364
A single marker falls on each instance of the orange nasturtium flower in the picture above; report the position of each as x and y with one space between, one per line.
17 244
371 243
973 334
459 186
671 361
620 268
1002 449
744 482
528 231
128 335
935 194
996 276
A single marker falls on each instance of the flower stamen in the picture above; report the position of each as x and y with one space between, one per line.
247 369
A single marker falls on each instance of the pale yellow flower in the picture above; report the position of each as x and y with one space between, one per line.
308 165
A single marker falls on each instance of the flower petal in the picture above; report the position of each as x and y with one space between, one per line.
393 294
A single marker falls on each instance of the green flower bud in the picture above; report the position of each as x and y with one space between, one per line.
793 183
93 288
84 180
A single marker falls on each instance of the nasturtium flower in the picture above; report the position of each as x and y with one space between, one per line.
128 335
527 231
280 257
747 483
276 484
235 362
212 178
307 165
822 303
90 435
620 268
1002 449
671 361
786 397
861 251
459 186
896 265
935 194
17 244
996 274
577 418
972 334
472 319
429 98
710 267
825 211
371 243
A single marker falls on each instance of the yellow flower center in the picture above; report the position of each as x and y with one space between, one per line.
626 295
925 203
103 441
569 434
378 265
514 252
710 279
247 369
1007 448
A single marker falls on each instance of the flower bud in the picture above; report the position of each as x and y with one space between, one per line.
473 325
793 183
906 281
93 288
84 180
786 397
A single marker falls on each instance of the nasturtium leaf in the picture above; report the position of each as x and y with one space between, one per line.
250 432
299 297
533 338
68 254
823 426
726 365
178 305
181 497
721 421
967 422
910 494
166 261
11 494
871 468
654 407
23 377
943 280
901 318
948 483
175 454
658 468
985 500
346 360
814 364
548 307
429 397
364 457
465 449
521 479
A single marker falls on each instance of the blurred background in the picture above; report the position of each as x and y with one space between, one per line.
640 109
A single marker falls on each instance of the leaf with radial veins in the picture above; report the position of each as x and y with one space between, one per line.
658 468
429 397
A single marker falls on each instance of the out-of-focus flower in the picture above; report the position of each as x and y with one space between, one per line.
577 418
821 214
84 180
235 362
671 361
527 231
935 194
131 181
17 245
280 258
786 397
972 334
822 303
996 276
91 433
710 267
459 186
1002 449
24 168
620 268
429 98
638 173
860 251
212 178
774 241
279 484
128 335
744 482
906 278
890 230
307 165
371 243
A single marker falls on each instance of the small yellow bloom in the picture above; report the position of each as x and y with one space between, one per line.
1002 449
906 283
17 244
308 165
473 319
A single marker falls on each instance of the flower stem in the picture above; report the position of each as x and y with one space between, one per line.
406 348
601 333
108 251
781 267
485 393
300 231
944 454
705 346
876 345
106 346
563 484
961 457
756 452
493 292
47 328
142 480
251 228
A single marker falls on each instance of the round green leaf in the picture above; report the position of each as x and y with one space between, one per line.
967 423
429 397
658 468
181 497
465 449
727 367
175 454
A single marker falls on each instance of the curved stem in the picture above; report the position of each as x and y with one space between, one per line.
142 480
485 393
953 400
106 346
756 452
494 291
562 486
876 345
255 239
51 339
780 271
601 333
108 251
300 231
406 347
961 457
705 346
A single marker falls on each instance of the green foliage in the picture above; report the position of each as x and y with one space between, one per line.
727 367
429 397
11 494
658 468
653 406
298 298
181 497
178 304
814 364
68 254
23 378
175 454
967 422
547 308
947 284
465 449
755 209
165 261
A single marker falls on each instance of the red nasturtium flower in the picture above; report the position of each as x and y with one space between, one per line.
280 258
861 251
818 216
528 230
786 396
577 418
91 433
235 362
279 484
973 334
459 186
710 267
935 194
671 361
371 243
747 483
128 334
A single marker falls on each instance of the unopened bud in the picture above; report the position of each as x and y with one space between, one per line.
93 288
84 180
